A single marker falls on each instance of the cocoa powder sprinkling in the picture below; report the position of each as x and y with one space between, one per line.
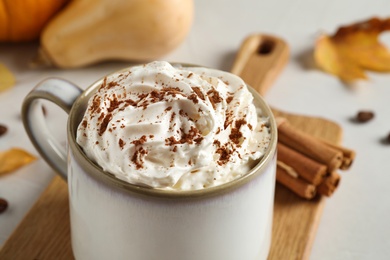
138 157
103 85
140 141
214 97
105 123
193 98
193 136
224 155
236 134
95 108
112 84
198 92
121 143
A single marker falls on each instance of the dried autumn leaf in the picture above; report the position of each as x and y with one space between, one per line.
354 49
7 79
13 159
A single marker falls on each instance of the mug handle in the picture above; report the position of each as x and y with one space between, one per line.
61 93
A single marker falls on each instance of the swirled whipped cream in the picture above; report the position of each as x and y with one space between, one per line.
180 128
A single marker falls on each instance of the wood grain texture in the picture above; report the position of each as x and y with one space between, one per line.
44 232
260 60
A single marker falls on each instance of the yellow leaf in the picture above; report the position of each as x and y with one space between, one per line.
13 159
7 79
354 49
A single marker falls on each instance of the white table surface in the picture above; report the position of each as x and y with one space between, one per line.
355 222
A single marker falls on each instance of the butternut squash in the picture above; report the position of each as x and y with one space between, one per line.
91 31
23 20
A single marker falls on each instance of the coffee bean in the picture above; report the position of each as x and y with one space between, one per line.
364 116
3 205
3 129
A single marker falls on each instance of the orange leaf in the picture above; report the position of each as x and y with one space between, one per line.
354 49
13 159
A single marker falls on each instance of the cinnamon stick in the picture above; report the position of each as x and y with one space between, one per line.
297 185
329 185
348 155
308 169
309 146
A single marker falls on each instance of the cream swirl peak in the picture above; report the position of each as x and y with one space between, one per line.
180 128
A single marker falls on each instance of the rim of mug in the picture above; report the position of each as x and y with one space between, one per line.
91 168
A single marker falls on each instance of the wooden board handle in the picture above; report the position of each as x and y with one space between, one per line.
260 59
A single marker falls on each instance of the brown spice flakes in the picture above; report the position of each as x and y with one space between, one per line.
101 116
114 104
228 119
112 84
3 205
142 96
140 141
224 155
95 105
172 91
235 134
229 99
172 117
170 141
121 143
168 109
198 92
157 95
192 136
198 140
84 123
3 130
130 102
364 116
193 98
104 123
182 113
240 122
103 83
189 75
214 97
137 158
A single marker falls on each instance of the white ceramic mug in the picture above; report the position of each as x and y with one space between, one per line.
112 219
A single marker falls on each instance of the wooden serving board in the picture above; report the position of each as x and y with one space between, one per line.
44 234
